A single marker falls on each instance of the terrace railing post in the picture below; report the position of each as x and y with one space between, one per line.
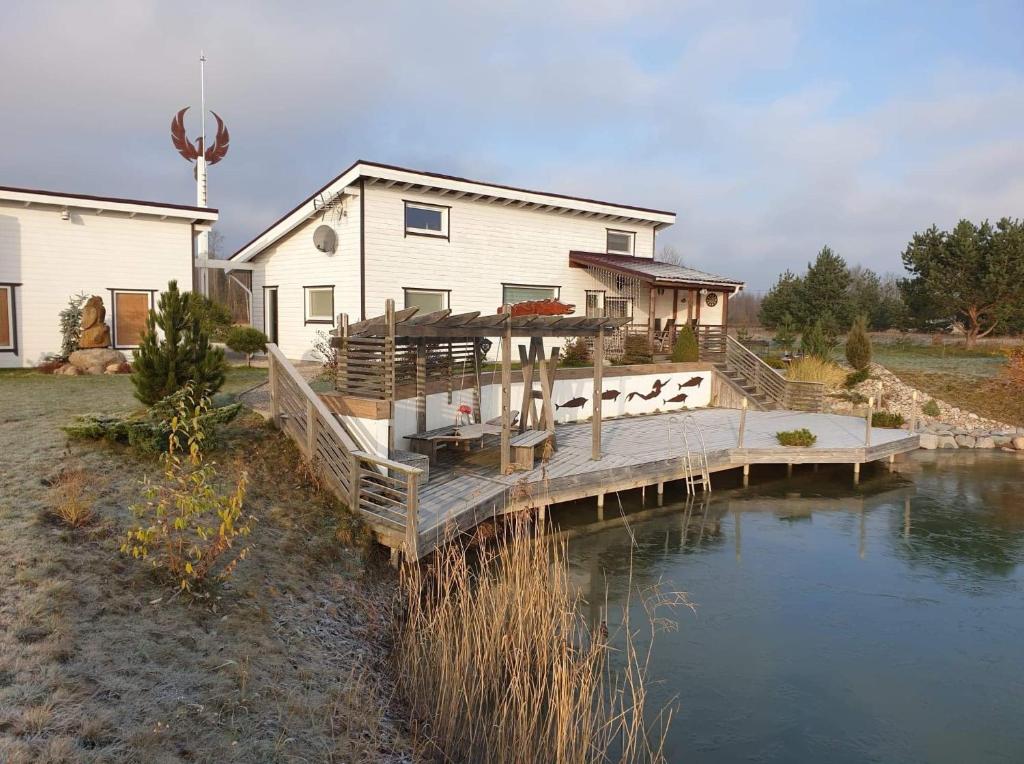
913 411
311 430
354 480
867 425
743 423
412 528
506 391
275 388
389 371
598 361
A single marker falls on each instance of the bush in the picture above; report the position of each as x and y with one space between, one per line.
188 529
179 353
803 438
637 349
858 345
814 369
931 408
248 340
214 318
818 341
576 352
686 349
71 325
887 419
72 503
854 378
329 358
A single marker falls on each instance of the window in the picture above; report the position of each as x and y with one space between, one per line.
427 300
131 308
618 307
8 320
513 293
319 304
620 242
595 303
426 220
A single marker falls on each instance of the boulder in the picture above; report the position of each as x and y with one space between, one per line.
69 371
1002 440
985 442
965 441
947 441
96 360
1018 443
929 440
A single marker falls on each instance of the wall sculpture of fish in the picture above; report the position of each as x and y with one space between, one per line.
681 398
692 382
575 403
655 390
610 395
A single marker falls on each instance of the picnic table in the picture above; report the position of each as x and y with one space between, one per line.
427 443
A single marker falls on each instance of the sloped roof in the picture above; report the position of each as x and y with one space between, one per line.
29 196
651 270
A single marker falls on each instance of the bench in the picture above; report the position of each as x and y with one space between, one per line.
524 447
413 459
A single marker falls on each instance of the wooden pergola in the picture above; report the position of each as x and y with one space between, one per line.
399 347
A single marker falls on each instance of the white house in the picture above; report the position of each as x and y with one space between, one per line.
54 245
437 241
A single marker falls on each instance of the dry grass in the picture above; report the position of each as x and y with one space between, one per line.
72 499
813 369
497 660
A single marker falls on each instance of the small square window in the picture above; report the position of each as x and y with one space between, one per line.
427 300
320 305
620 242
426 219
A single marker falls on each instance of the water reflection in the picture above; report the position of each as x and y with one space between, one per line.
832 624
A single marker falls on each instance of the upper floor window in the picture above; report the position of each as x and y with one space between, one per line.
513 293
620 242
427 300
426 219
319 304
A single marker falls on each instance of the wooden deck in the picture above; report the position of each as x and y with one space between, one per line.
466 489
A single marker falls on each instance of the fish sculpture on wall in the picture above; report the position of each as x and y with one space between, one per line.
655 391
546 307
575 403
691 382
610 395
681 398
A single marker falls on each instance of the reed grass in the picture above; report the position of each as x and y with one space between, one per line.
72 502
498 663
813 369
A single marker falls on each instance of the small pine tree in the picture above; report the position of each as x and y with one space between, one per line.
785 334
248 340
815 341
858 345
180 351
71 325
685 350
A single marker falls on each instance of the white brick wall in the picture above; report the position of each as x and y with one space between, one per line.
53 259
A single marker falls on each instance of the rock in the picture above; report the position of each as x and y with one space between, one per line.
69 371
1018 443
985 442
95 333
929 441
965 441
113 368
96 360
947 441
1002 440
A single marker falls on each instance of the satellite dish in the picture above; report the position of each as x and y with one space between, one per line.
325 239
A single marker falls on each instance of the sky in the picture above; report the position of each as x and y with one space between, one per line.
771 129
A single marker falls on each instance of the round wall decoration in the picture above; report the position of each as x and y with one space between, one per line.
711 300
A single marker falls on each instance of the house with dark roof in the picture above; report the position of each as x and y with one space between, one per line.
433 241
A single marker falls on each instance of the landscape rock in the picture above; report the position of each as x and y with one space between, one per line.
985 442
965 441
69 370
1018 443
947 441
96 360
929 440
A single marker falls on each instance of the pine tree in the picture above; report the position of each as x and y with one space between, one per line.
686 349
174 350
858 345
826 288
817 342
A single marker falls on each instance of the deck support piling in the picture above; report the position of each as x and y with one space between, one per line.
600 506
746 475
856 473
789 470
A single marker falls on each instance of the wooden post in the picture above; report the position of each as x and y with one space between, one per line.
355 479
743 423
312 423
546 388
526 361
600 507
651 300
412 528
913 411
595 434
867 427
856 473
341 380
789 470
477 395
275 391
389 372
506 392
421 385
746 475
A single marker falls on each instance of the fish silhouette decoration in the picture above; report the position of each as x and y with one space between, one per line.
575 403
681 398
691 382
610 395
655 391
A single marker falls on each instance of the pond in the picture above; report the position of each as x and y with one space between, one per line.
884 623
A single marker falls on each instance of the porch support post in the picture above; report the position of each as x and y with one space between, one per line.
421 386
651 301
526 361
389 371
506 392
598 390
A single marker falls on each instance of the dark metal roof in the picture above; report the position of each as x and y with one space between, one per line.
651 270
442 324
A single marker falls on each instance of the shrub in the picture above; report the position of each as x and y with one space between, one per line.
887 419
803 438
215 318
329 358
818 341
71 325
576 352
686 349
858 345
72 503
50 366
775 362
854 378
814 369
188 529
743 335
248 340
179 353
785 333
931 408
637 349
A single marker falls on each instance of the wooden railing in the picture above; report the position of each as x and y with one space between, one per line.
711 341
766 381
385 492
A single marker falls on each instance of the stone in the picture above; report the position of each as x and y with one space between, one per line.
965 441
113 368
985 442
96 360
1002 440
929 441
95 333
947 441
1018 443
69 370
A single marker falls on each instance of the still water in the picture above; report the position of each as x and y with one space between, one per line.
832 624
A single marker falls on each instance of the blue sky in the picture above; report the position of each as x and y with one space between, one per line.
771 128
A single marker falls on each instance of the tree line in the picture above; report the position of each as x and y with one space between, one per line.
971 277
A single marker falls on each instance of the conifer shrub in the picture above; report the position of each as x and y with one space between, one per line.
818 341
248 340
887 419
175 350
858 345
803 438
71 325
575 352
636 349
931 408
854 378
686 349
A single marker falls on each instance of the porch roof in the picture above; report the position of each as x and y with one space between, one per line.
653 271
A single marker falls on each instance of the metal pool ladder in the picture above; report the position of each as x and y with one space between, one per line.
694 460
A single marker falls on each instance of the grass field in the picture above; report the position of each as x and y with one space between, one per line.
971 378
101 662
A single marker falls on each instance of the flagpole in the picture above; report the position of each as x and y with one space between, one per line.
204 235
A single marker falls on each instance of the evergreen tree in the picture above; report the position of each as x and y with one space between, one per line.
784 300
785 333
816 341
174 350
858 345
685 349
826 290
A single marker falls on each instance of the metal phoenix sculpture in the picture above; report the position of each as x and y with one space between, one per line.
192 151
